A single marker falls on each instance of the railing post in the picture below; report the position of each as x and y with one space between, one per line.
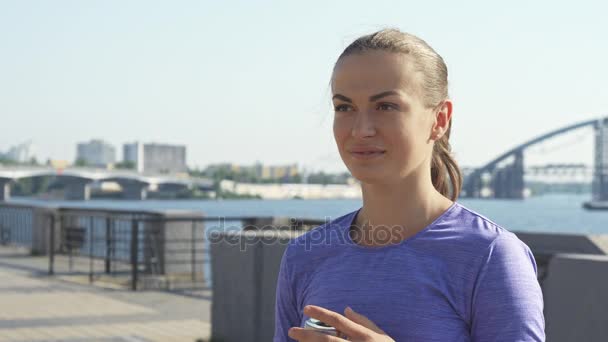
108 244
91 249
52 246
193 246
64 239
134 253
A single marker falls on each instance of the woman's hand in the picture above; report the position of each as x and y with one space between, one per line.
354 325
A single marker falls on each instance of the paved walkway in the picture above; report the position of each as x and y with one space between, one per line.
36 307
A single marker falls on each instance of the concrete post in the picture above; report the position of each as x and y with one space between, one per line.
245 268
5 189
41 231
576 298
173 245
545 246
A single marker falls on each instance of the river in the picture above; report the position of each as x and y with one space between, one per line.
555 213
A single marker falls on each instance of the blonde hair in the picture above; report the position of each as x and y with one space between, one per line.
445 173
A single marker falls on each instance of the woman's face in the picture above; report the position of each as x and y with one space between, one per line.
381 126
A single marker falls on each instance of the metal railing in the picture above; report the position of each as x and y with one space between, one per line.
16 216
126 248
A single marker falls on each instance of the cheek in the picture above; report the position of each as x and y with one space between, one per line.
407 141
341 131
404 145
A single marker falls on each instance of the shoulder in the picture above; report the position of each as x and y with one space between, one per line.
477 230
465 234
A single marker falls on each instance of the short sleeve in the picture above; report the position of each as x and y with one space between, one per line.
507 302
286 310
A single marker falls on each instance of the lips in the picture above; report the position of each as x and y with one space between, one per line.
366 152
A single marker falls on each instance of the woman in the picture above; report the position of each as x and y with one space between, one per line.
411 264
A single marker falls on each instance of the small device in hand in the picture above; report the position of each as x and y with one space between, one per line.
315 324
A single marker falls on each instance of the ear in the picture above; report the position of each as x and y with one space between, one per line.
443 115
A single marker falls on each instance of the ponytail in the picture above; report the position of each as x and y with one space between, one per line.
443 165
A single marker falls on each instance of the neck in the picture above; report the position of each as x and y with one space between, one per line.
410 205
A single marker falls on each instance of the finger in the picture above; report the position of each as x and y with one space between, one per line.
361 319
301 334
336 320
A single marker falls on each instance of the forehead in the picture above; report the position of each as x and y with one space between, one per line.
373 72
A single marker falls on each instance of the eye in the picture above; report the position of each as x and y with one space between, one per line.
343 108
387 106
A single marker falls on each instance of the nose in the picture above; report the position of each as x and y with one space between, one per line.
363 125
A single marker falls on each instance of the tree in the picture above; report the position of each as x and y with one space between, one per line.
127 164
81 162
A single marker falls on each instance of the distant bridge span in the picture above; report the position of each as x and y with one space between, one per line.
77 180
508 182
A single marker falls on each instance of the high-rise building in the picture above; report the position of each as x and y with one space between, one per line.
278 172
257 171
133 153
21 153
156 158
96 153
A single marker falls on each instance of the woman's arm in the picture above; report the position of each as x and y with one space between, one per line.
507 302
286 309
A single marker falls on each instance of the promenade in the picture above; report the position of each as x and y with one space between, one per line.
37 307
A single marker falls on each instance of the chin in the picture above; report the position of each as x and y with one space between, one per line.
367 176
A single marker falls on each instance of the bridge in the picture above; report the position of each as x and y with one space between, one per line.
560 169
78 181
503 176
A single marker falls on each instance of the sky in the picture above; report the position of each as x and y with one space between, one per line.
247 81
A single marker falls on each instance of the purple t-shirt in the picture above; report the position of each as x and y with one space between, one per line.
462 278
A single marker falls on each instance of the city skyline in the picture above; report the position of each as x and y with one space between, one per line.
121 157
213 77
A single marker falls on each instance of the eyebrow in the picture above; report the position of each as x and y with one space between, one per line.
371 98
342 97
382 94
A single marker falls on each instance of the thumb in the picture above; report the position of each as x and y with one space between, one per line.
362 320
